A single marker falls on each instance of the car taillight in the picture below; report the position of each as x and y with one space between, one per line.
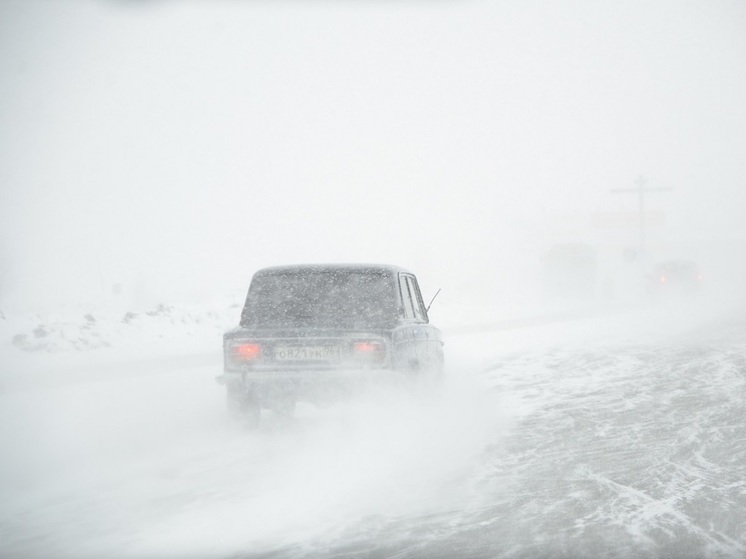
662 279
369 350
247 351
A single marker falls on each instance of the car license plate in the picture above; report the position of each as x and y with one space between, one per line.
307 353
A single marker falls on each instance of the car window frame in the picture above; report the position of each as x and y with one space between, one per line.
413 305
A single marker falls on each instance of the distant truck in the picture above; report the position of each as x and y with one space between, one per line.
314 332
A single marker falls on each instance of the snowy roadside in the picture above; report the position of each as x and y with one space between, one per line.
84 330
45 351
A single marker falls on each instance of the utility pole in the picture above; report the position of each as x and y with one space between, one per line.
641 189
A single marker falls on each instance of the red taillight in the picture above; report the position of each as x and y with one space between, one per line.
662 279
369 350
247 352
699 277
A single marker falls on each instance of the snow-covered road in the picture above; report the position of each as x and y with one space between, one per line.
616 436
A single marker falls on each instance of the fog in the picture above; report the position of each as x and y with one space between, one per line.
155 153
163 151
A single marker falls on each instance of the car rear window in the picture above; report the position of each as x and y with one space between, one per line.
321 299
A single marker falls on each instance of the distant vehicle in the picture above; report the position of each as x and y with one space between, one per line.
674 277
315 332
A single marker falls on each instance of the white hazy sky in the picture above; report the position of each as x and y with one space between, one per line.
176 146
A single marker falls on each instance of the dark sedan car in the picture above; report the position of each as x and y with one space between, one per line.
314 332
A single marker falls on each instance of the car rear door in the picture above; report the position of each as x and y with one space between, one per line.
418 344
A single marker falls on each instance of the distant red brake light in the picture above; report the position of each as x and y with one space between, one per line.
247 352
662 279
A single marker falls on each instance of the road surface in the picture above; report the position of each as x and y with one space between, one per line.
604 437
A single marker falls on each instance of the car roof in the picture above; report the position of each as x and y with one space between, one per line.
328 268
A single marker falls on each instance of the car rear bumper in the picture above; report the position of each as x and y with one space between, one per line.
309 384
311 375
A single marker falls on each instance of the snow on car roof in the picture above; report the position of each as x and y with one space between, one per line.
387 268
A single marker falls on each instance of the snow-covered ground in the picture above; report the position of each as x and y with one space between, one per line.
605 432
